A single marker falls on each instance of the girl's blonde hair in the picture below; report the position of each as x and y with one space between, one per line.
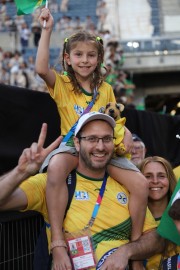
168 168
69 43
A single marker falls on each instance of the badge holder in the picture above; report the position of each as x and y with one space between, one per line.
81 250
80 244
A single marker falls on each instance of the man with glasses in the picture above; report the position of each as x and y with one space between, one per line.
99 207
138 151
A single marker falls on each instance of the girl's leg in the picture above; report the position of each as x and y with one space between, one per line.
57 197
137 185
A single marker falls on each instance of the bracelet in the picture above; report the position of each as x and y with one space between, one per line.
58 243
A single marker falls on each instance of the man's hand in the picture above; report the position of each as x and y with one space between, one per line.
149 244
137 265
32 158
29 163
116 261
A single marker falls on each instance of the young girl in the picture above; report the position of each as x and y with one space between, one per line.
82 60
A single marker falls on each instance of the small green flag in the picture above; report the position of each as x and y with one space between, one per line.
28 6
167 227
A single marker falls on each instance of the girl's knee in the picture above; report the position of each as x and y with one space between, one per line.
144 182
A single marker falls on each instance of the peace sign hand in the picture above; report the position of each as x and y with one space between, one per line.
32 158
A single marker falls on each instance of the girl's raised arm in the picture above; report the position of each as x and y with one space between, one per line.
42 57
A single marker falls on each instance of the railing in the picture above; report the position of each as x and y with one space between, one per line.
18 236
155 44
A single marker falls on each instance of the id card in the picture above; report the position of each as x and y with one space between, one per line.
81 250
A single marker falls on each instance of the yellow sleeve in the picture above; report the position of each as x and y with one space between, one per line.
177 172
62 89
34 188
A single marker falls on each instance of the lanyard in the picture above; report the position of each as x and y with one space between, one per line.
178 263
98 202
71 189
90 105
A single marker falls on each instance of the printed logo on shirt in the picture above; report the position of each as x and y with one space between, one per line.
122 198
102 110
78 109
81 195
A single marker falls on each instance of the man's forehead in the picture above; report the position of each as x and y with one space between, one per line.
98 125
138 143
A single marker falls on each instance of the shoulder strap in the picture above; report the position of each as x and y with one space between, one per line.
71 185
88 108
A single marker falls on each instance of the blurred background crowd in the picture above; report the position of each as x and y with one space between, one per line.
142 44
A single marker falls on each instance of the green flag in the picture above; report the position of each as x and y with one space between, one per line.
167 228
28 6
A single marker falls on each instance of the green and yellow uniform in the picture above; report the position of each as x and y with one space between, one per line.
112 226
71 106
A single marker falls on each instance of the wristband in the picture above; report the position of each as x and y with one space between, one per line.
58 243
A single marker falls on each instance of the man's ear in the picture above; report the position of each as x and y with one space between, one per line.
67 58
76 143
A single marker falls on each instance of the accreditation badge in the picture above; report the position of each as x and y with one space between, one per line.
80 249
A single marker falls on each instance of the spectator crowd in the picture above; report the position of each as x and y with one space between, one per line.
17 67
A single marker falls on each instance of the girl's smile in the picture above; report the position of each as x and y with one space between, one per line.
83 58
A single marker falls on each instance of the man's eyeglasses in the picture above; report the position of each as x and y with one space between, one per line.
94 139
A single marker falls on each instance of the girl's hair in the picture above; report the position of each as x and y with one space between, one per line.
168 168
83 36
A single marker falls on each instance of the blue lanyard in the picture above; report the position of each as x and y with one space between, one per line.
90 105
98 202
